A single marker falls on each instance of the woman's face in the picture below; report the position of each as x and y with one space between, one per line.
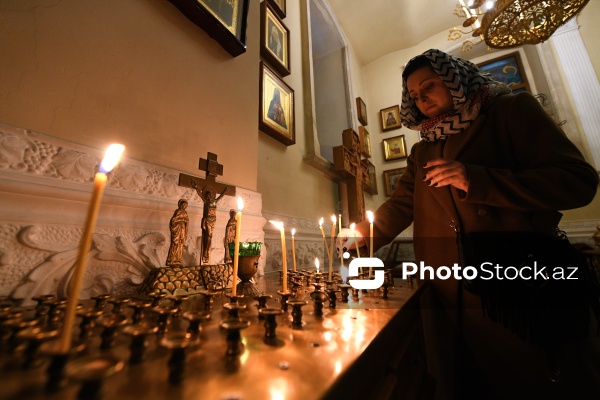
430 93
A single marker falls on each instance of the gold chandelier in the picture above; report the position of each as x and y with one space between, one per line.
510 23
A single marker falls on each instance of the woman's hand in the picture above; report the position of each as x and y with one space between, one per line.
348 240
443 173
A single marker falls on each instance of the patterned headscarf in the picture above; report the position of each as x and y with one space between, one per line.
472 91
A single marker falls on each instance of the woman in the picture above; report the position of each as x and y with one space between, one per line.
487 161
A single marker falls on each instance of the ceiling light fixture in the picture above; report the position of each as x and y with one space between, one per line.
510 23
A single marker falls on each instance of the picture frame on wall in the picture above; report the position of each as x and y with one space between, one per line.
279 7
361 111
276 107
371 187
365 141
274 40
509 70
224 20
394 148
391 178
390 118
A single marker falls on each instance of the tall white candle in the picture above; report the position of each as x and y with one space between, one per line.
279 225
333 220
341 249
324 238
371 219
111 158
294 248
236 248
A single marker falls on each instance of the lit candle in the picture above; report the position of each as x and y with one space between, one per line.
317 264
279 225
333 220
371 219
236 248
341 249
324 238
111 158
294 248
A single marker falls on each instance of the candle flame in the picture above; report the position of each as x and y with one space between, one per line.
352 226
370 216
321 222
240 204
333 219
317 263
293 231
111 157
278 224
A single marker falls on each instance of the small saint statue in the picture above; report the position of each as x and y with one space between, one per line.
229 235
179 231
209 216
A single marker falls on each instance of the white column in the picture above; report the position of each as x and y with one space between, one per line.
582 81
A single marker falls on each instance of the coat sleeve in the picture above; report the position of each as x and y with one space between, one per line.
550 172
396 214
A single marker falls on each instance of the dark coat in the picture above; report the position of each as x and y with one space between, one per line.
522 170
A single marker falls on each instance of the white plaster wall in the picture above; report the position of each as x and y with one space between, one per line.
45 189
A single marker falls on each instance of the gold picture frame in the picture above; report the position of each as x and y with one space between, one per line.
274 40
365 141
394 148
276 107
391 178
390 118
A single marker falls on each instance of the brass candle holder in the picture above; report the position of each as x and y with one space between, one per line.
138 333
345 288
178 343
297 312
233 337
270 314
284 298
262 303
91 371
318 297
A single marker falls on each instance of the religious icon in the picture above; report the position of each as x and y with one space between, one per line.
276 110
392 179
209 216
179 230
390 118
275 42
394 148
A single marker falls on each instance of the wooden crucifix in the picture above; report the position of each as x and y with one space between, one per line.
347 162
210 191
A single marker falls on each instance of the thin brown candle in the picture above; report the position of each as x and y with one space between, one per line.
111 158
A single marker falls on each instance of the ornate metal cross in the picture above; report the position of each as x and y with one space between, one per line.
210 191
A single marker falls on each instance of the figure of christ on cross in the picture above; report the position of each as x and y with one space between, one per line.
207 190
209 216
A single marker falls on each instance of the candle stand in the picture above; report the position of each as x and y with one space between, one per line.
297 312
91 371
318 297
138 333
270 324
345 288
262 303
178 343
284 298
233 337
